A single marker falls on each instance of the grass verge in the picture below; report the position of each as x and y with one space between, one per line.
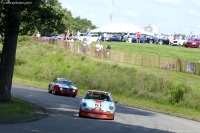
20 111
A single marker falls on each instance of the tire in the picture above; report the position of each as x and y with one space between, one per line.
150 41
54 91
160 42
49 91
79 114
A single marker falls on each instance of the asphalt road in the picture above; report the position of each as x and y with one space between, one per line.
63 117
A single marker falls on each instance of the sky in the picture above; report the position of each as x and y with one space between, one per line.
169 16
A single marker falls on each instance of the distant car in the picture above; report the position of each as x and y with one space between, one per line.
92 37
97 104
62 86
193 43
58 37
81 36
75 37
49 36
179 41
116 38
142 39
151 39
163 40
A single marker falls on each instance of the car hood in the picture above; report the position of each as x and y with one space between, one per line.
104 105
67 86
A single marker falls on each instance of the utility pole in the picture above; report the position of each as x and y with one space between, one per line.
111 12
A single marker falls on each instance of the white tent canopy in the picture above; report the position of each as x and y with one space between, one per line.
120 27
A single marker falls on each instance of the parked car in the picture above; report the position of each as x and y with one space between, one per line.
92 37
194 43
81 36
75 37
151 39
116 38
62 86
49 36
97 104
163 40
179 41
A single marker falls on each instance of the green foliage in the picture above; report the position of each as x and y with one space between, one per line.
176 94
183 35
24 39
49 17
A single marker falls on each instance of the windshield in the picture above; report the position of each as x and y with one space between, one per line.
97 96
69 83
194 39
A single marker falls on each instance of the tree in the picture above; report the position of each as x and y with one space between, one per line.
46 18
19 16
12 13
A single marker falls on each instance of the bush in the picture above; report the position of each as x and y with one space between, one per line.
24 39
176 94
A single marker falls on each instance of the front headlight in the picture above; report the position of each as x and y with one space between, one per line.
61 88
84 104
111 107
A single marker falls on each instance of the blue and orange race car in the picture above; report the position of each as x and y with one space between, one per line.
97 104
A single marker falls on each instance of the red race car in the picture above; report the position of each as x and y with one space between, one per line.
62 86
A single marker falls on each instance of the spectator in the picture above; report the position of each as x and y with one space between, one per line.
66 34
102 37
122 36
108 48
97 49
38 36
78 34
171 39
99 35
127 37
86 44
105 36
67 38
71 41
88 33
174 37
100 49
138 35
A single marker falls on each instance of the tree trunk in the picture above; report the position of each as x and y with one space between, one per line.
8 52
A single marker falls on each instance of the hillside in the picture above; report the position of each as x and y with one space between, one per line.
150 88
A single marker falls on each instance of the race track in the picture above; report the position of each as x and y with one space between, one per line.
63 117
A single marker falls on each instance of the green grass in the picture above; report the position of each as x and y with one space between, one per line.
21 108
192 54
165 91
20 111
